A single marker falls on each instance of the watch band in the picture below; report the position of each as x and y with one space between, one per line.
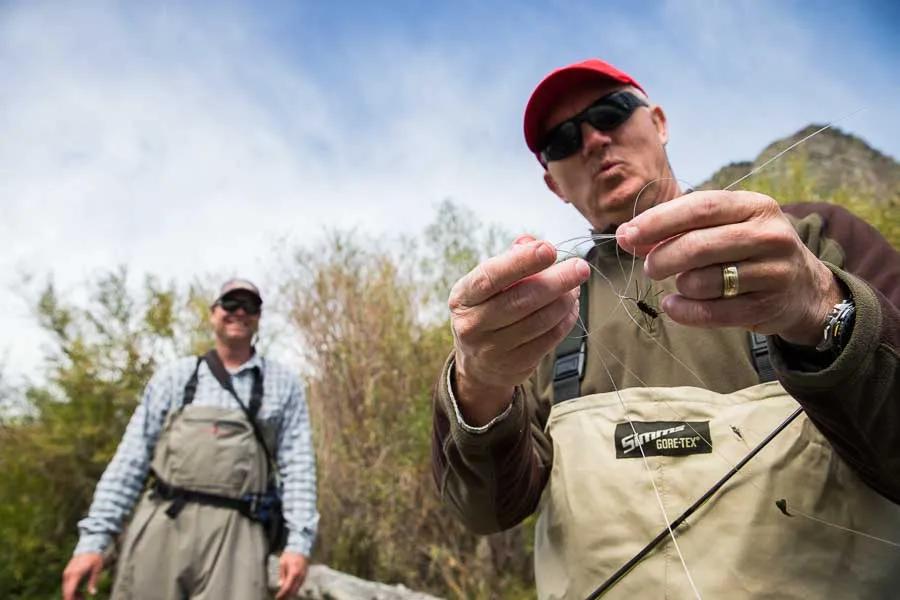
838 326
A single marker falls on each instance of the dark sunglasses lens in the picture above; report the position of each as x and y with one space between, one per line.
607 114
565 141
232 304
229 305
606 117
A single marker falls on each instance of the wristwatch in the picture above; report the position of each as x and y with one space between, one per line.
838 326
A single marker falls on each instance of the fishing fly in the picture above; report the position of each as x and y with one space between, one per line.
650 311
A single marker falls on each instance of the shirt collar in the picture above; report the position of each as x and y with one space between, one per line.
254 361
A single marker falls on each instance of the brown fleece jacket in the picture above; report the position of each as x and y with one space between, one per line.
493 479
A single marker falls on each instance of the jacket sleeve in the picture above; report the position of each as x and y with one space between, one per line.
491 478
855 399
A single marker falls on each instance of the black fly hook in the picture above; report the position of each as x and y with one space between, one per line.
650 311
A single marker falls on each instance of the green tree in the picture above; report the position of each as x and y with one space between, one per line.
102 355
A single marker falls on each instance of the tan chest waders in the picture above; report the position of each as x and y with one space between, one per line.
192 535
599 509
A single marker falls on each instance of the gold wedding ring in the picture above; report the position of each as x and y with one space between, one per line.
729 281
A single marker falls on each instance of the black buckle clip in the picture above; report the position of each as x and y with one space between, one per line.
176 506
569 365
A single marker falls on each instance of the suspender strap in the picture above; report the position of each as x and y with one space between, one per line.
568 366
190 388
761 360
224 378
256 394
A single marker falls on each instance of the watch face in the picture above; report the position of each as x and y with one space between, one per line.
838 327
845 326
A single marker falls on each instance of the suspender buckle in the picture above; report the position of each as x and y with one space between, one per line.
176 506
569 365
567 372
759 351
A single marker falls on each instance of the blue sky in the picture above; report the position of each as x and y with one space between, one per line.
186 138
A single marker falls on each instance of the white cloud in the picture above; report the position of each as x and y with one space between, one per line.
182 142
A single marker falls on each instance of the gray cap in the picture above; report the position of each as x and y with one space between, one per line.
236 285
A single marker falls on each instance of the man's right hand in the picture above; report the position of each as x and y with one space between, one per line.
506 314
81 565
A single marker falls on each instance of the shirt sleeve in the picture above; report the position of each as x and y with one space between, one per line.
120 486
459 417
297 467
490 478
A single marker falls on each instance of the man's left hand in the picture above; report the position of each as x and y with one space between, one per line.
291 573
783 288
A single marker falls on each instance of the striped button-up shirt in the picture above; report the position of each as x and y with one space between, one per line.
283 409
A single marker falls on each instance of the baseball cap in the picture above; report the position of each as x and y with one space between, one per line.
238 285
548 91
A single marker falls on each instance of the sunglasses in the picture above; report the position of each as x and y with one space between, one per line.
605 114
230 305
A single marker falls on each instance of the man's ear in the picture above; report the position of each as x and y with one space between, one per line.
660 122
553 186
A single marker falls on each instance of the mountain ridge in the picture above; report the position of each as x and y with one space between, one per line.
829 163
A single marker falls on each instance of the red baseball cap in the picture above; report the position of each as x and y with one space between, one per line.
548 91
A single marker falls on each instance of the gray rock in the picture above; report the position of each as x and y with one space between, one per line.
323 583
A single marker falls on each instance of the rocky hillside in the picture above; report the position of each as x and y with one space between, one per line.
829 163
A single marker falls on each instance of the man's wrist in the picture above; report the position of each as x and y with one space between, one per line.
92 543
808 332
478 404
299 544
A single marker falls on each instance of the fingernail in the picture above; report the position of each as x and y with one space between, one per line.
544 251
577 293
582 268
627 232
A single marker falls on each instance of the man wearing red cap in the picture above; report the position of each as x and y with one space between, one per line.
225 440
614 417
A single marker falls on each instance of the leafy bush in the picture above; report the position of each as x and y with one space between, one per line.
52 456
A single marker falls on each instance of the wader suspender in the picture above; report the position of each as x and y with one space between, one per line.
267 507
218 370
180 496
760 351
568 365
570 354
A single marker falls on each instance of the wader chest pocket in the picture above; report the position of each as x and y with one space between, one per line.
211 454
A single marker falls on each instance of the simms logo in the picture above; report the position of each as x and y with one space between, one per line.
630 442
662 438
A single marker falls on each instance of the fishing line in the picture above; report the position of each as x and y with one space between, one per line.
649 472
792 146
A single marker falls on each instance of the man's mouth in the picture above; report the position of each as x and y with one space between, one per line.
607 166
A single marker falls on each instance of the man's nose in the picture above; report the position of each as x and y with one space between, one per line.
593 139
